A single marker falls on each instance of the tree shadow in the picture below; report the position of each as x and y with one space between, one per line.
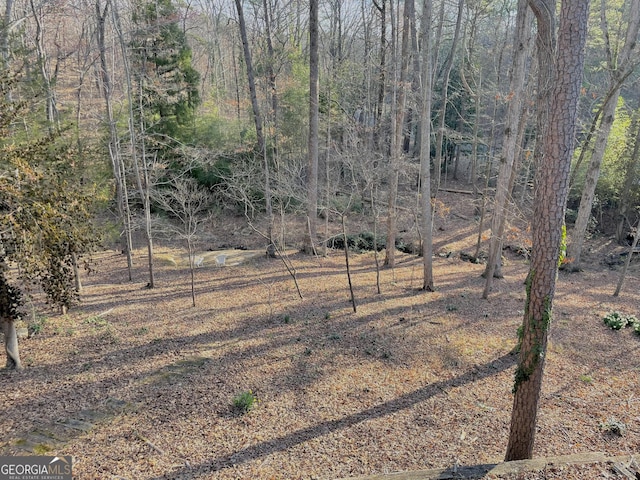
268 447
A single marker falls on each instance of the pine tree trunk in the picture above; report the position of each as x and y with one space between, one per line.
563 74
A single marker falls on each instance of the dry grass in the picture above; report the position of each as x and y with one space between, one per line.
411 381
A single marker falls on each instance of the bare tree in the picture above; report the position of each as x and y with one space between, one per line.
117 163
188 204
5 27
521 53
448 64
560 76
398 108
140 168
43 62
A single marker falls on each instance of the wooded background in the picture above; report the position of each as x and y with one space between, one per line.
148 116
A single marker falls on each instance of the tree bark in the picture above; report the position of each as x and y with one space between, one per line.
563 73
346 259
250 78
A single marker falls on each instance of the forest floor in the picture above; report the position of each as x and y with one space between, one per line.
135 383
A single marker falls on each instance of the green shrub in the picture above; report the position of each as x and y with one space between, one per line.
616 320
36 326
244 402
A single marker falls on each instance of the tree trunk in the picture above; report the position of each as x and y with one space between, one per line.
558 109
4 31
346 259
382 8
192 271
274 118
122 195
522 52
144 187
11 344
390 249
579 231
398 108
250 78
312 180
76 273
51 108
620 67
425 150
143 190
262 144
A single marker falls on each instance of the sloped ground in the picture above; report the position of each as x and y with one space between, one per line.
411 381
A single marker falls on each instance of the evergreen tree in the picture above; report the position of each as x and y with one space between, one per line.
167 90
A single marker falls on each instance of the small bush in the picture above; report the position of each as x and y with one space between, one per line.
618 321
244 402
36 326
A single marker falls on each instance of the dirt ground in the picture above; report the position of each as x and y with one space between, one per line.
142 383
